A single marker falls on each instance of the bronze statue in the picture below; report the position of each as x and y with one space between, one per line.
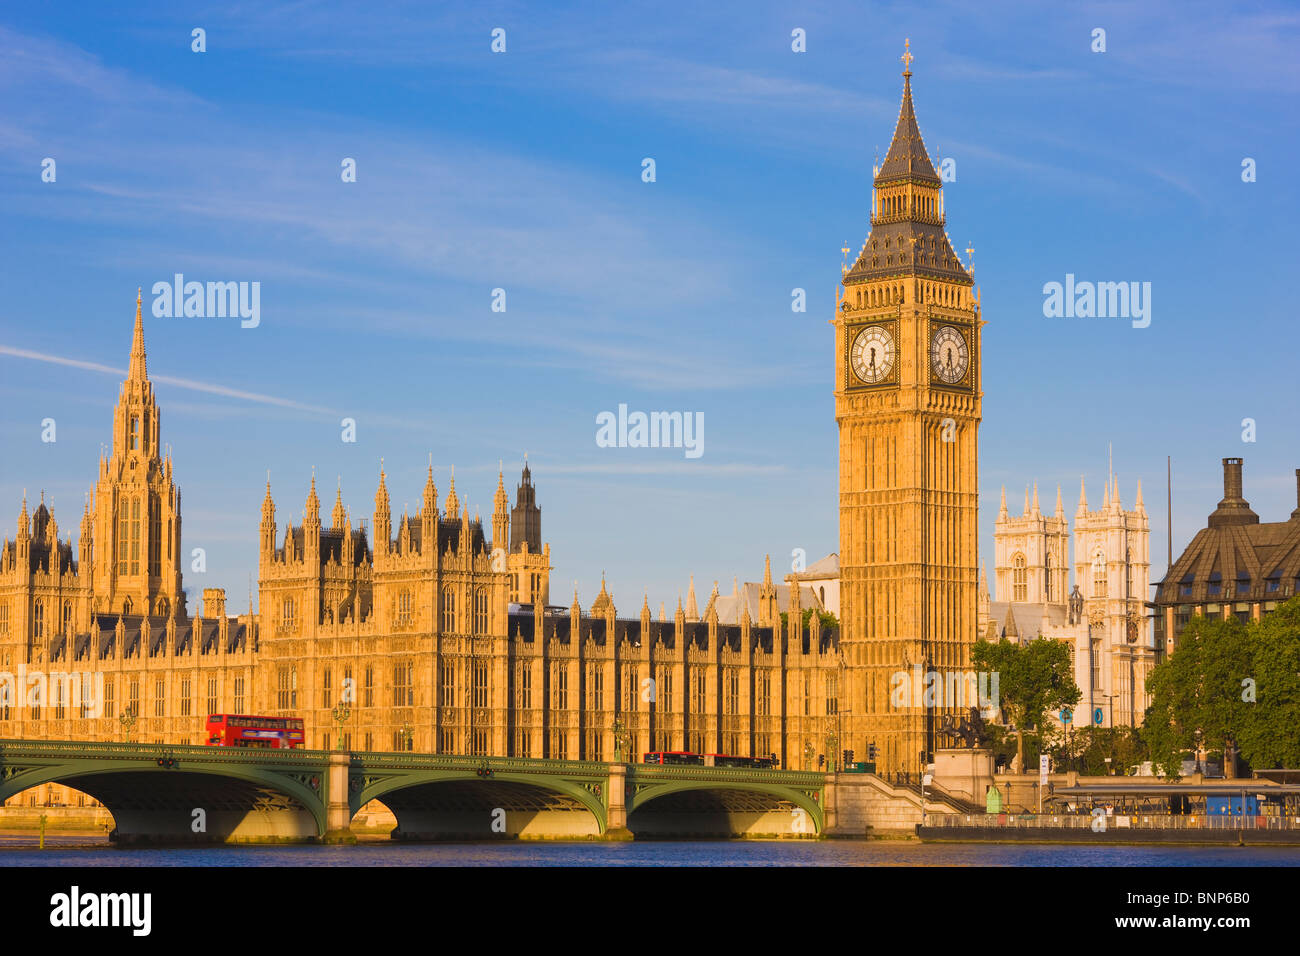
970 731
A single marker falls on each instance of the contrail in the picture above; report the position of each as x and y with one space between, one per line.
168 380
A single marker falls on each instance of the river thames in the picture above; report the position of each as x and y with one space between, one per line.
69 852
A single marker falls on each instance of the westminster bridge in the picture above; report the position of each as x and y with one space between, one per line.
163 793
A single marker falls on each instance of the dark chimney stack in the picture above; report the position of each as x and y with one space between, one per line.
1295 515
1231 479
1233 509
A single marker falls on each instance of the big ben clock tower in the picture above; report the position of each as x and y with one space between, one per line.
907 400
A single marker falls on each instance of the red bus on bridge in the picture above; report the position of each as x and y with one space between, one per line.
241 730
707 760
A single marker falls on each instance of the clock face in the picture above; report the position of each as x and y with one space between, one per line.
872 354
949 356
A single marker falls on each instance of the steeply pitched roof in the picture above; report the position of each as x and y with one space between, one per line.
907 245
907 158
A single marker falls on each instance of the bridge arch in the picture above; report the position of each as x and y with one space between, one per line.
202 797
723 808
462 804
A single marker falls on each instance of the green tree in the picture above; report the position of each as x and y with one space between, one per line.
1268 737
1032 678
1196 695
828 620
1090 746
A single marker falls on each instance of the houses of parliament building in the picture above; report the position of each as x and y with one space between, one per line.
426 632
435 632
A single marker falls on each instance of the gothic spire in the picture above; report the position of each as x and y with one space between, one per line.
339 516
137 370
311 512
381 493
907 158
502 500
430 492
907 216
452 506
268 503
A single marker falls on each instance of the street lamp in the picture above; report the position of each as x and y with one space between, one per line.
1110 708
620 738
127 720
407 733
925 778
342 713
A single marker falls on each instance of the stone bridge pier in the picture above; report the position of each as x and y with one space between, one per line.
338 810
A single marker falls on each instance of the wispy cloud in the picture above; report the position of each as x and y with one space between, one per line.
186 383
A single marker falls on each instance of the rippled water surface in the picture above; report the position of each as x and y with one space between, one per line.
62 851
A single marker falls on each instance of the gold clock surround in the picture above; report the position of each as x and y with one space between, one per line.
936 325
890 327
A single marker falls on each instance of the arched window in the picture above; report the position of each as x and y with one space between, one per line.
38 619
127 606
155 535
403 616
448 609
123 535
135 535
1047 584
287 614
1099 575
1019 579
67 618
480 611
135 432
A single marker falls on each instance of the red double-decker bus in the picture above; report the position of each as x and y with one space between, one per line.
707 760
673 757
242 730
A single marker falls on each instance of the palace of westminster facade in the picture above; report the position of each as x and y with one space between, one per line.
434 633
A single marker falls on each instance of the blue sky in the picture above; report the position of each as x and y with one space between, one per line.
522 171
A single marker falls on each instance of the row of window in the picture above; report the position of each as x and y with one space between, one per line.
404 613
636 692
85 702
1100 587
